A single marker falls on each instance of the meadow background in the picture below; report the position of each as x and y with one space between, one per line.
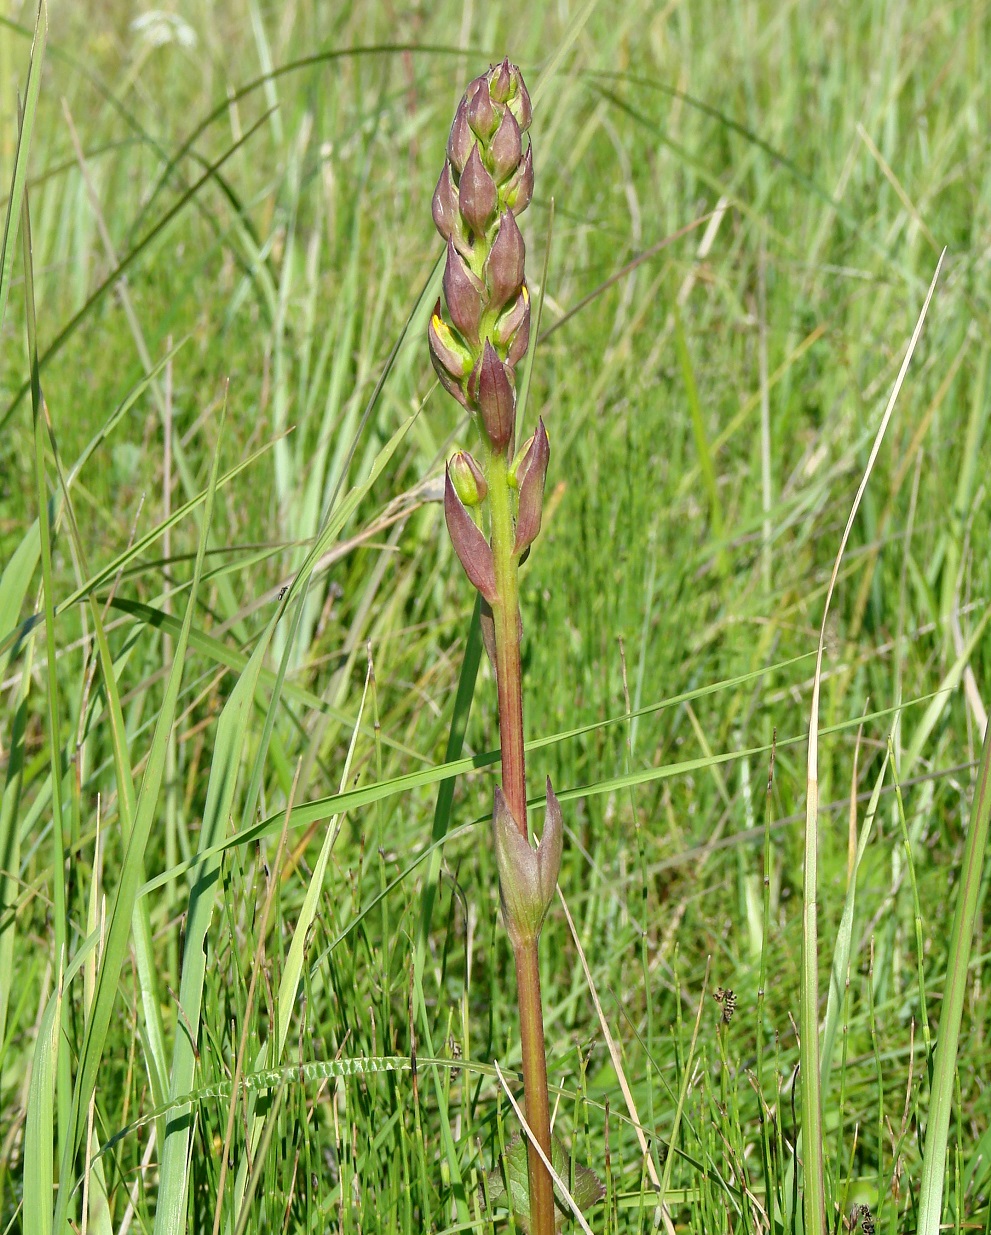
233 261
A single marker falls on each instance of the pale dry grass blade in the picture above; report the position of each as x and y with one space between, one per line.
617 1063
814 1191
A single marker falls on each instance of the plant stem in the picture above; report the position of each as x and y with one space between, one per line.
509 676
538 1114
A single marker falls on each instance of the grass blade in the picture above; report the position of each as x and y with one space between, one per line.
844 937
39 1158
961 941
19 184
38 416
814 1197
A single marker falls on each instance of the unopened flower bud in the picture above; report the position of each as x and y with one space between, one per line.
507 147
464 293
519 101
531 473
447 216
461 140
483 118
500 82
450 384
527 877
470 545
450 357
512 329
477 194
504 265
446 345
491 391
517 193
469 482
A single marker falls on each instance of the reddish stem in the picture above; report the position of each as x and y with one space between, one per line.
535 1088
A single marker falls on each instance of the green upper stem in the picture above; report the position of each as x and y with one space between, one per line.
505 612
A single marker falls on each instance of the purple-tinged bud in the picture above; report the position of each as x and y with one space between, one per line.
519 102
500 81
464 293
483 117
447 217
530 476
460 142
512 330
470 545
477 194
450 384
527 876
518 191
492 393
504 264
520 342
447 347
481 82
469 483
507 147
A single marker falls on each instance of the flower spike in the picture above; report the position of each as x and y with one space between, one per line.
493 505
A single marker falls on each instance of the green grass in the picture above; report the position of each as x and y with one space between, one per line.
263 177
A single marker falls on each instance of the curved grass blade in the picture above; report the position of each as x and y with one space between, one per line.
814 1195
951 1012
265 79
107 573
126 262
19 183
